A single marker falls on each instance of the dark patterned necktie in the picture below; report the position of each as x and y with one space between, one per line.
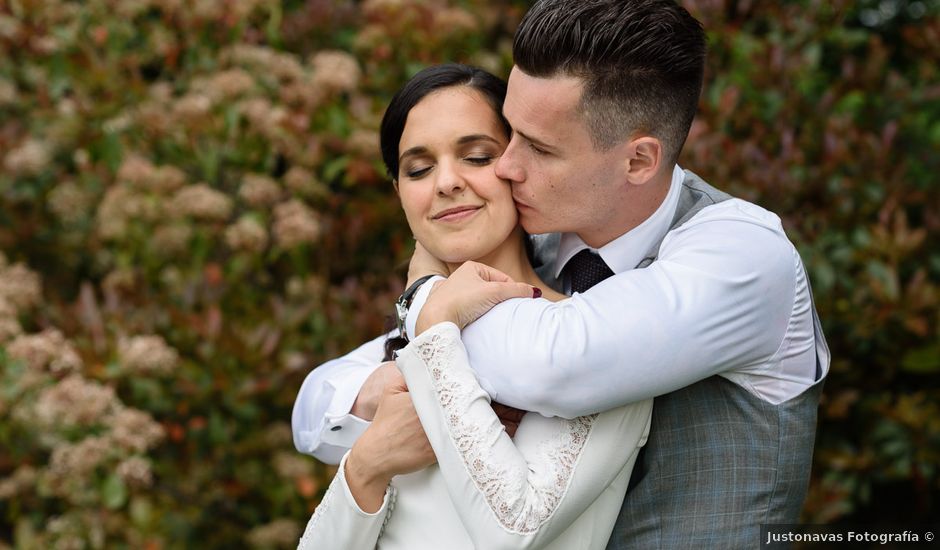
585 269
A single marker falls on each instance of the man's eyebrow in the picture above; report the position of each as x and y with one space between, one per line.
533 140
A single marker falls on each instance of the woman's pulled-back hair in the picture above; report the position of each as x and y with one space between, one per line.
427 81
642 63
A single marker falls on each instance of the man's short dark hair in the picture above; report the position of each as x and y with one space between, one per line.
642 63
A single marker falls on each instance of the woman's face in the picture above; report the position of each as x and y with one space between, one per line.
456 206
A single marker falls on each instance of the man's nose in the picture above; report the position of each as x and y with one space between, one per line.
507 167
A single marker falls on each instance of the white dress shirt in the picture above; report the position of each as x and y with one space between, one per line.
727 296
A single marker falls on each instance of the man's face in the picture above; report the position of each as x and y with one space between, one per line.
560 182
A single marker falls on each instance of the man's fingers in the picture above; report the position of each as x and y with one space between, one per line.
507 413
423 263
509 417
394 381
375 386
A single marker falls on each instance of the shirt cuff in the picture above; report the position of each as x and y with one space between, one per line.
340 427
417 303
343 430
321 433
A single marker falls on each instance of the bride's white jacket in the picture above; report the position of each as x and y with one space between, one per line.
558 484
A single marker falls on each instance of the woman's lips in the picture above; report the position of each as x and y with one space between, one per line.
456 214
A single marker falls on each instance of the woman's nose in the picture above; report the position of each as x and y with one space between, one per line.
449 179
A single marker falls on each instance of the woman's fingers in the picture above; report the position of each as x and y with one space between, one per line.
470 291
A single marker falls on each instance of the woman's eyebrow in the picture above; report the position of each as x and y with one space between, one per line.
414 151
476 137
463 140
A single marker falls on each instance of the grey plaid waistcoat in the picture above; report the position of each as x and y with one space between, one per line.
719 461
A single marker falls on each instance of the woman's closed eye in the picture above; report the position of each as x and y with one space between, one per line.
480 155
417 172
481 159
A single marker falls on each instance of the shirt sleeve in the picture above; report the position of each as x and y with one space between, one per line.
320 421
339 524
520 493
718 299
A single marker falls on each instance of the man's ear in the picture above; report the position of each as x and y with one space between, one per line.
644 158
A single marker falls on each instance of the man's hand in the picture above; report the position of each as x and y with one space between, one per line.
470 291
423 263
372 390
509 416
394 444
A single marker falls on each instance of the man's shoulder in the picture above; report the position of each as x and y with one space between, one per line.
735 211
734 226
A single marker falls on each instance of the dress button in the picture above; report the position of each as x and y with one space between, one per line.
336 428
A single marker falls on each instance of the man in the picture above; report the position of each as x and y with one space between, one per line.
705 305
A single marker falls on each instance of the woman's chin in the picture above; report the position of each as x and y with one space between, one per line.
450 256
455 260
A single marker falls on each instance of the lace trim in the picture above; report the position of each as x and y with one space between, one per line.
307 540
325 506
392 500
521 496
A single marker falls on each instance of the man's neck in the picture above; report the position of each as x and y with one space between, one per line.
640 203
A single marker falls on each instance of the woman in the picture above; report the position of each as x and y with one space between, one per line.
559 483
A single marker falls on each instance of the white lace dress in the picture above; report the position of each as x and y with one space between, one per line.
558 484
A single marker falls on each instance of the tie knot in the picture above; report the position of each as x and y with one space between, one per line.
585 269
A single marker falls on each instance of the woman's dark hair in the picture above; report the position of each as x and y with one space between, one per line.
427 81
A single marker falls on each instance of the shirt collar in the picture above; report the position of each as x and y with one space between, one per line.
626 251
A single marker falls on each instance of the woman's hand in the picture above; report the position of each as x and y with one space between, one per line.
394 444
469 292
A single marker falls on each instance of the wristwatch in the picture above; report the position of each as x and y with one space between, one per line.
404 302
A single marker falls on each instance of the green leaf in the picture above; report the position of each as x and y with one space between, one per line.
114 492
887 278
112 151
218 433
851 103
925 360
58 76
334 168
142 512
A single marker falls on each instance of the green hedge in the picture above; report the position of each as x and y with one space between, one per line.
193 213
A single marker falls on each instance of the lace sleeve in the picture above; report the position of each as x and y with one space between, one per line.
339 524
510 494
